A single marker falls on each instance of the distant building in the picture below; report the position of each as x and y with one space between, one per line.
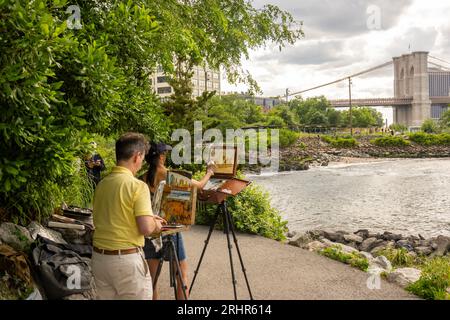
266 102
203 79
439 87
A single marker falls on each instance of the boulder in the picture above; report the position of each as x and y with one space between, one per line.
405 244
15 236
373 235
404 276
442 245
366 255
36 229
300 240
423 250
391 236
382 262
353 238
291 234
328 243
363 233
347 249
74 236
334 236
315 246
316 234
370 243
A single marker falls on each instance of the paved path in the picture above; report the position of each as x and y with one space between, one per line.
276 271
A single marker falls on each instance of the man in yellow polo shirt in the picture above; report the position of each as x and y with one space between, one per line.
122 217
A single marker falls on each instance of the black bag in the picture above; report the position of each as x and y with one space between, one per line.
60 272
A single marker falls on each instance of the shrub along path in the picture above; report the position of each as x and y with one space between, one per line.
275 270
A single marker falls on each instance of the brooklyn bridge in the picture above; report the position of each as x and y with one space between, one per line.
421 89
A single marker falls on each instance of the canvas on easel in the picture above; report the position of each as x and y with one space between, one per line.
224 182
179 198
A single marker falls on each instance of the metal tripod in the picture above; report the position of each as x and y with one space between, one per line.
169 252
228 225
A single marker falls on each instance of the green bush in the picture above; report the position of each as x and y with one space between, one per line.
251 211
340 142
430 126
390 141
354 259
434 281
427 139
288 138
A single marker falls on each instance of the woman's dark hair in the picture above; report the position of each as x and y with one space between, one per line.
152 158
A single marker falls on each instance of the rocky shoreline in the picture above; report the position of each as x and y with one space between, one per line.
373 247
312 151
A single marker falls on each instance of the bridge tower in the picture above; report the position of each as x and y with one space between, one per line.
411 80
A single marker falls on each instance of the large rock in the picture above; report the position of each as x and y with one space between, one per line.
406 244
300 240
391 236
346 249
74 236
315 246
366 255
353 238
291 234
363 233
334 236
382 262
15 236
316 234
404 276
442 245
36 229
370 243
423 250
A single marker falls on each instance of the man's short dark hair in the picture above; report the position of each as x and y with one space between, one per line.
128 144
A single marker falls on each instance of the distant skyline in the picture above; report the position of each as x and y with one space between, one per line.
342 37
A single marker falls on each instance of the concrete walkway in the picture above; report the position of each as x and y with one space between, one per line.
276 271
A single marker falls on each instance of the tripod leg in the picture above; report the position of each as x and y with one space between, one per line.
176 262
227 228
211 228
158 272
230 218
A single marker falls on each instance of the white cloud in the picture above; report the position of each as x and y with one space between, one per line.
338 43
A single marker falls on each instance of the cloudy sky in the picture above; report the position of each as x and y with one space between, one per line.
343 37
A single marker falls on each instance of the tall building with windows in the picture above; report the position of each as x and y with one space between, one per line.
203 79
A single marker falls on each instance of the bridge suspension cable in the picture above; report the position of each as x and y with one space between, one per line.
343 79
440 66
442 60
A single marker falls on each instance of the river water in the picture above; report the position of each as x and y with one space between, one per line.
406 196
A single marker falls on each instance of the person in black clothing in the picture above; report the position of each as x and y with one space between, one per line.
94 166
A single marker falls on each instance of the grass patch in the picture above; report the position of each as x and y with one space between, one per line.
390 141
398 257
354 259
434 281
340 142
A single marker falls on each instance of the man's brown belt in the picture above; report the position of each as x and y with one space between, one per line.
116 252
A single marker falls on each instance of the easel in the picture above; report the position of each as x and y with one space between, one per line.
169 250
221 199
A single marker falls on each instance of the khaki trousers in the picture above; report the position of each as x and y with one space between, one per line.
122 277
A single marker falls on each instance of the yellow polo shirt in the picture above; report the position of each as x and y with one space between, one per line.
120 198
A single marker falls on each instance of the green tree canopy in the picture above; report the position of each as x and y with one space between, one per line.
59 86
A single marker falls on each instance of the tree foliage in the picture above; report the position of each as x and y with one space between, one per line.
59 87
